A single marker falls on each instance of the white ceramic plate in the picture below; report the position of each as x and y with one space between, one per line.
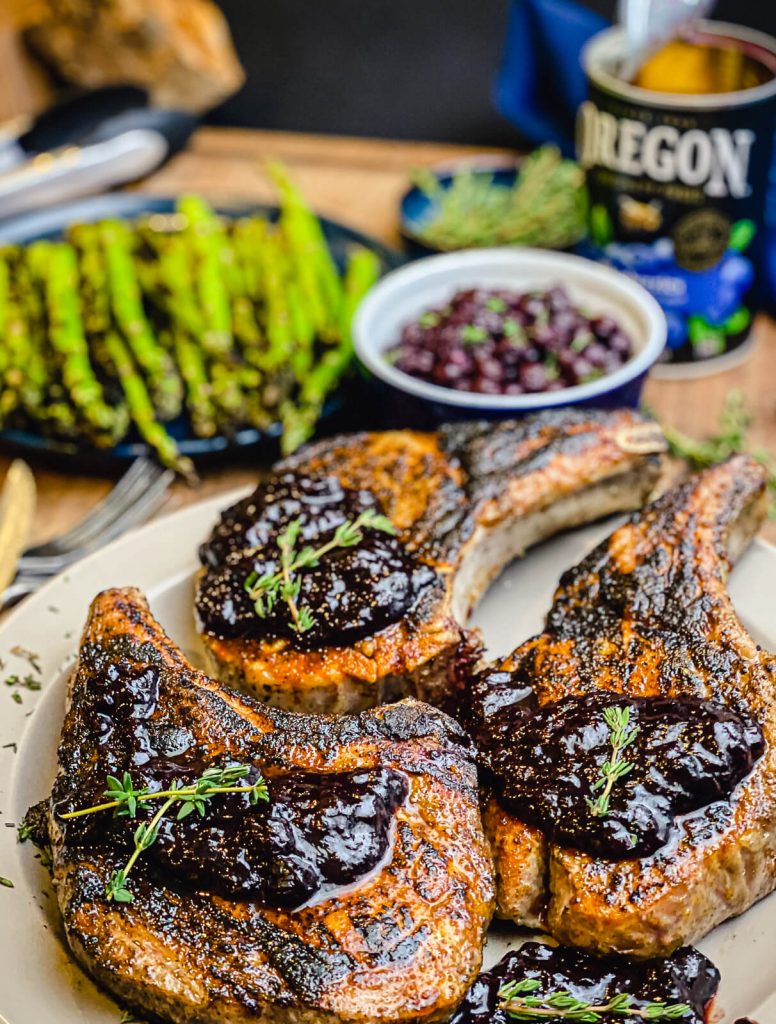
39 983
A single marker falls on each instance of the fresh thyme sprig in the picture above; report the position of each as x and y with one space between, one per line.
731 438
124 800
517 1000
621 735
285 584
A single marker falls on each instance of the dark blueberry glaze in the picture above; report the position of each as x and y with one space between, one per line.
317 833
543 763
353 592
684 977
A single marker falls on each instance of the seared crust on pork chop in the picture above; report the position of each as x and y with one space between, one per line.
647 614
401 945
465 501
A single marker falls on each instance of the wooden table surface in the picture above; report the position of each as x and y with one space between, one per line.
359 181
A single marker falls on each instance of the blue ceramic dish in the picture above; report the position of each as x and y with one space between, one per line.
405 294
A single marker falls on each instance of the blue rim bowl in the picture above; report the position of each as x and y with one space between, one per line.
404 294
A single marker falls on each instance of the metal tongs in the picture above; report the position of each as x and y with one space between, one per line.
86 144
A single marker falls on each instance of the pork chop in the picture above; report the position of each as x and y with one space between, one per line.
646 616
399 943
387 613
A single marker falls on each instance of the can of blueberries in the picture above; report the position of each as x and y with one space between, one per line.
677 164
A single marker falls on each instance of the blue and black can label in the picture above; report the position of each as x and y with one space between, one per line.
677 187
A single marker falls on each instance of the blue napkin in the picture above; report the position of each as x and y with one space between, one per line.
541 82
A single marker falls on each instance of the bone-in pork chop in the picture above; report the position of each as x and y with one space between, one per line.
631 747
359 892
383 616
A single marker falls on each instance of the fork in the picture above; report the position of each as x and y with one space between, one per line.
135 497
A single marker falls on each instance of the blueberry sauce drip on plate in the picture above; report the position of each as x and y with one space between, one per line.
686 977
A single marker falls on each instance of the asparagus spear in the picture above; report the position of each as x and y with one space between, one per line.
115 355
244 237
208 243
22 374
242 280
57 265
142 408
362 270
202 302
280 336
184 327
42 393
8 392
313 260
127 305
94 289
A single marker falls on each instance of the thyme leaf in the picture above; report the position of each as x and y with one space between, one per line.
732 437
621 735
124 799
31 657
285 584
517 998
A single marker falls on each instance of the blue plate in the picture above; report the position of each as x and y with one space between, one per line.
417 209
52 222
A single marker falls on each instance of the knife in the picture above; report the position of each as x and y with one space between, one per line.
17 508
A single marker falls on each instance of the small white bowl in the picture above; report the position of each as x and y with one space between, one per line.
404 294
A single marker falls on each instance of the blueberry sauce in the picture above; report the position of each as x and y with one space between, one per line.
544 763
351 593
686 977
317 833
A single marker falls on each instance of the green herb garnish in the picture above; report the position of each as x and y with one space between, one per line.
547 205
29 656
515 332
429 319
127 1017
621 735
285 584
6 883
125 798
581 340
28 682
496 304
551 366
473 335
518 1000
731 439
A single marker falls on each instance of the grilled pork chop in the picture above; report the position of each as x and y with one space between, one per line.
646 615
387 613
399 943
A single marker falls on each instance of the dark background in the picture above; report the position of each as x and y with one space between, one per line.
412 69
